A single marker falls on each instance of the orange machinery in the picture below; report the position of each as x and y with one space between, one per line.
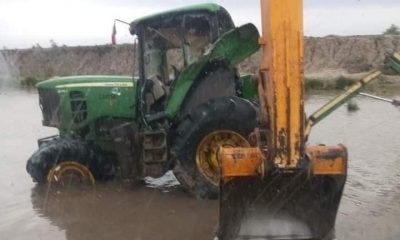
282 188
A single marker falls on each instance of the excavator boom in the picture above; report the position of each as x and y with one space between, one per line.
281 76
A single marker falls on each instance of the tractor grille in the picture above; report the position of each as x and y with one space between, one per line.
49 102
78 106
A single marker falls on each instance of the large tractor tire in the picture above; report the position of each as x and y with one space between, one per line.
218 82
66 159
227 122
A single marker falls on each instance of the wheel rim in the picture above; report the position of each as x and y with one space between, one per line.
208 149
70 172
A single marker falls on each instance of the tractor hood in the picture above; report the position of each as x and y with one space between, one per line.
82 100
86 82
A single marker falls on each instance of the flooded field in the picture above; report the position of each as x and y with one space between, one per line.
159 209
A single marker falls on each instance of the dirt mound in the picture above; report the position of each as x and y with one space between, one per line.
351 54
334 56
325 58
42 63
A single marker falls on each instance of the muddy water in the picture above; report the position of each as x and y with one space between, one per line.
370 208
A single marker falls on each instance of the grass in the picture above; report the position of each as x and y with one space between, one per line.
314 84
30 82
340 83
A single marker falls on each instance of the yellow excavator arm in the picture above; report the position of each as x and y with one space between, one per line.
283 131
281 80
279 188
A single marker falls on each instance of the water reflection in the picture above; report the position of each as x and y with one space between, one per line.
370 208
119 211
370 203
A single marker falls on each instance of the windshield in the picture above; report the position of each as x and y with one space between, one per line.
173 44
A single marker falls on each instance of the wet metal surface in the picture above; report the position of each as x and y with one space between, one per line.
370 207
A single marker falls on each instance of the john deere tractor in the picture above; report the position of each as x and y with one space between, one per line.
187 101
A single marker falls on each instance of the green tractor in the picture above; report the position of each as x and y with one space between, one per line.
187 101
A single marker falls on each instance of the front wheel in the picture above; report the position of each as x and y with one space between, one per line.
221 122
68 160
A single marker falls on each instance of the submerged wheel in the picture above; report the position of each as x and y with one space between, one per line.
67 172
220 122
68 161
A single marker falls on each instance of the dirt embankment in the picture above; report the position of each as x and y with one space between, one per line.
334 56
325 58
42 63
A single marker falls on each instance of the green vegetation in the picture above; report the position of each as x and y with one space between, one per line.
29 82
392 30
342 83
314 84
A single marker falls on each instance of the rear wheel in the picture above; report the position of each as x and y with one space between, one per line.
221 122
68 161
208 150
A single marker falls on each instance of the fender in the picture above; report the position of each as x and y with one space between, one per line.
232 47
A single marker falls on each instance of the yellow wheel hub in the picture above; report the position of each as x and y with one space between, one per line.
207 152
70 171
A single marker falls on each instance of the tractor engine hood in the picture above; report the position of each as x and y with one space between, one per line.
77 101
86 81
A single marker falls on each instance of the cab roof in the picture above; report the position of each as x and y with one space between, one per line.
207 7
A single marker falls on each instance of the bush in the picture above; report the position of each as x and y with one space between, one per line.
392 30
342 83
314 84
29 82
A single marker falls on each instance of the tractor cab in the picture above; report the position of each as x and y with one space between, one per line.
171 41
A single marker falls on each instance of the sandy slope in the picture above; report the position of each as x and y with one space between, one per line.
325 58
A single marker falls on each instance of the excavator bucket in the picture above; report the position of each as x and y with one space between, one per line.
258 201
281 206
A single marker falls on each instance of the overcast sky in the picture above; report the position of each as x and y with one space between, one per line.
24 23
